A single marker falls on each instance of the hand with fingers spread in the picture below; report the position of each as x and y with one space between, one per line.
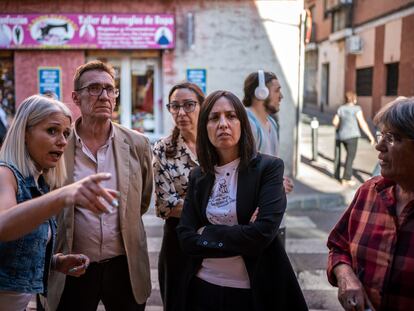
89 194
72 264
351 293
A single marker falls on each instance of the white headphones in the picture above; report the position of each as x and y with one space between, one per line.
261 92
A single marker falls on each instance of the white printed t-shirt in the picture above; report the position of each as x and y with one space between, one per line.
222 210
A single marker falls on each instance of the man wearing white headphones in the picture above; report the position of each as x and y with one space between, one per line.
262 96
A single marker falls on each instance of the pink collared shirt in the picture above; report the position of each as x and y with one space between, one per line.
97 236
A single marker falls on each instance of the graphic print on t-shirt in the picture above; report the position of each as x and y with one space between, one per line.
221 202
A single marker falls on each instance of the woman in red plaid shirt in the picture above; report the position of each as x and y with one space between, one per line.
371 257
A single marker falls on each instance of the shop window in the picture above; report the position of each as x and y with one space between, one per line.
7 95
143 100
364 81
392 79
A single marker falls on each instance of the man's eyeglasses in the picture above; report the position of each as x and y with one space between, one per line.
188 106
390 138
97 89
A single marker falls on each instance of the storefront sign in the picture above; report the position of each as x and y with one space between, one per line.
199 77
50 81
87 31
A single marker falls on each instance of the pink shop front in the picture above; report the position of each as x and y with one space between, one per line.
40 52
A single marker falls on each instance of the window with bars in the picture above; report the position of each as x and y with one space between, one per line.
392 79
364 81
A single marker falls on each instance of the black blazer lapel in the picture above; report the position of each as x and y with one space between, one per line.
246 193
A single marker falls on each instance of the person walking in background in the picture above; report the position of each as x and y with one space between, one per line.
31 164
174 157
371 258
262 96
232 211
119 272
347 121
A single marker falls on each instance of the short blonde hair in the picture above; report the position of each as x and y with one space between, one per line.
32 111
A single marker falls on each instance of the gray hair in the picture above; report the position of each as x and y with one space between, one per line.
398 115
32 111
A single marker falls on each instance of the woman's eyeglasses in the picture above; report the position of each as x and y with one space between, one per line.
390 138
97 89
188 106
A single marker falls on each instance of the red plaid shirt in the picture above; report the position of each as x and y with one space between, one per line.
378 245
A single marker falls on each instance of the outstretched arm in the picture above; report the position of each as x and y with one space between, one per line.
17 220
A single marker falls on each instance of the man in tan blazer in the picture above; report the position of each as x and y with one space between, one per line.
115 242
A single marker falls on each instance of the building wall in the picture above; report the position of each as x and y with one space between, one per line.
334 54
406 77
367 10
392 44
379 74
232 39
310 92
350 74
366 58
386 28
323 25
26 64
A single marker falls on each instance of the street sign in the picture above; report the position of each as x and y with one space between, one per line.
50 81
199 77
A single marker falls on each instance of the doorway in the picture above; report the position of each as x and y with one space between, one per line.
325 87
139 104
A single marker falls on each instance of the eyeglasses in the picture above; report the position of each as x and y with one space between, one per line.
188 106
390 138
97 89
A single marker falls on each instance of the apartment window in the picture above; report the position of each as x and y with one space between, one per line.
392 79
364 81
341 18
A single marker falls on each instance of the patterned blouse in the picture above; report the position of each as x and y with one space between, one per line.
171 175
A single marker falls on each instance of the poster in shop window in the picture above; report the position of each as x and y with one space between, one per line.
199 77
49 80
87 31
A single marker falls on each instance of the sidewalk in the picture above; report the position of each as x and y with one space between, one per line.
315 186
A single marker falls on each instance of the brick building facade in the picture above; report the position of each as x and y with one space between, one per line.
227 39
359 45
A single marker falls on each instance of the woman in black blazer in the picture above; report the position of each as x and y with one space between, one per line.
232 211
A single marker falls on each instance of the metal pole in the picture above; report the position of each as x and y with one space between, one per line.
314 127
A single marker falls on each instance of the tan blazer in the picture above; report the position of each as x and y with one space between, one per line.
133 158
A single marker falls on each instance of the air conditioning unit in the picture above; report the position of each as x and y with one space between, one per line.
354 44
